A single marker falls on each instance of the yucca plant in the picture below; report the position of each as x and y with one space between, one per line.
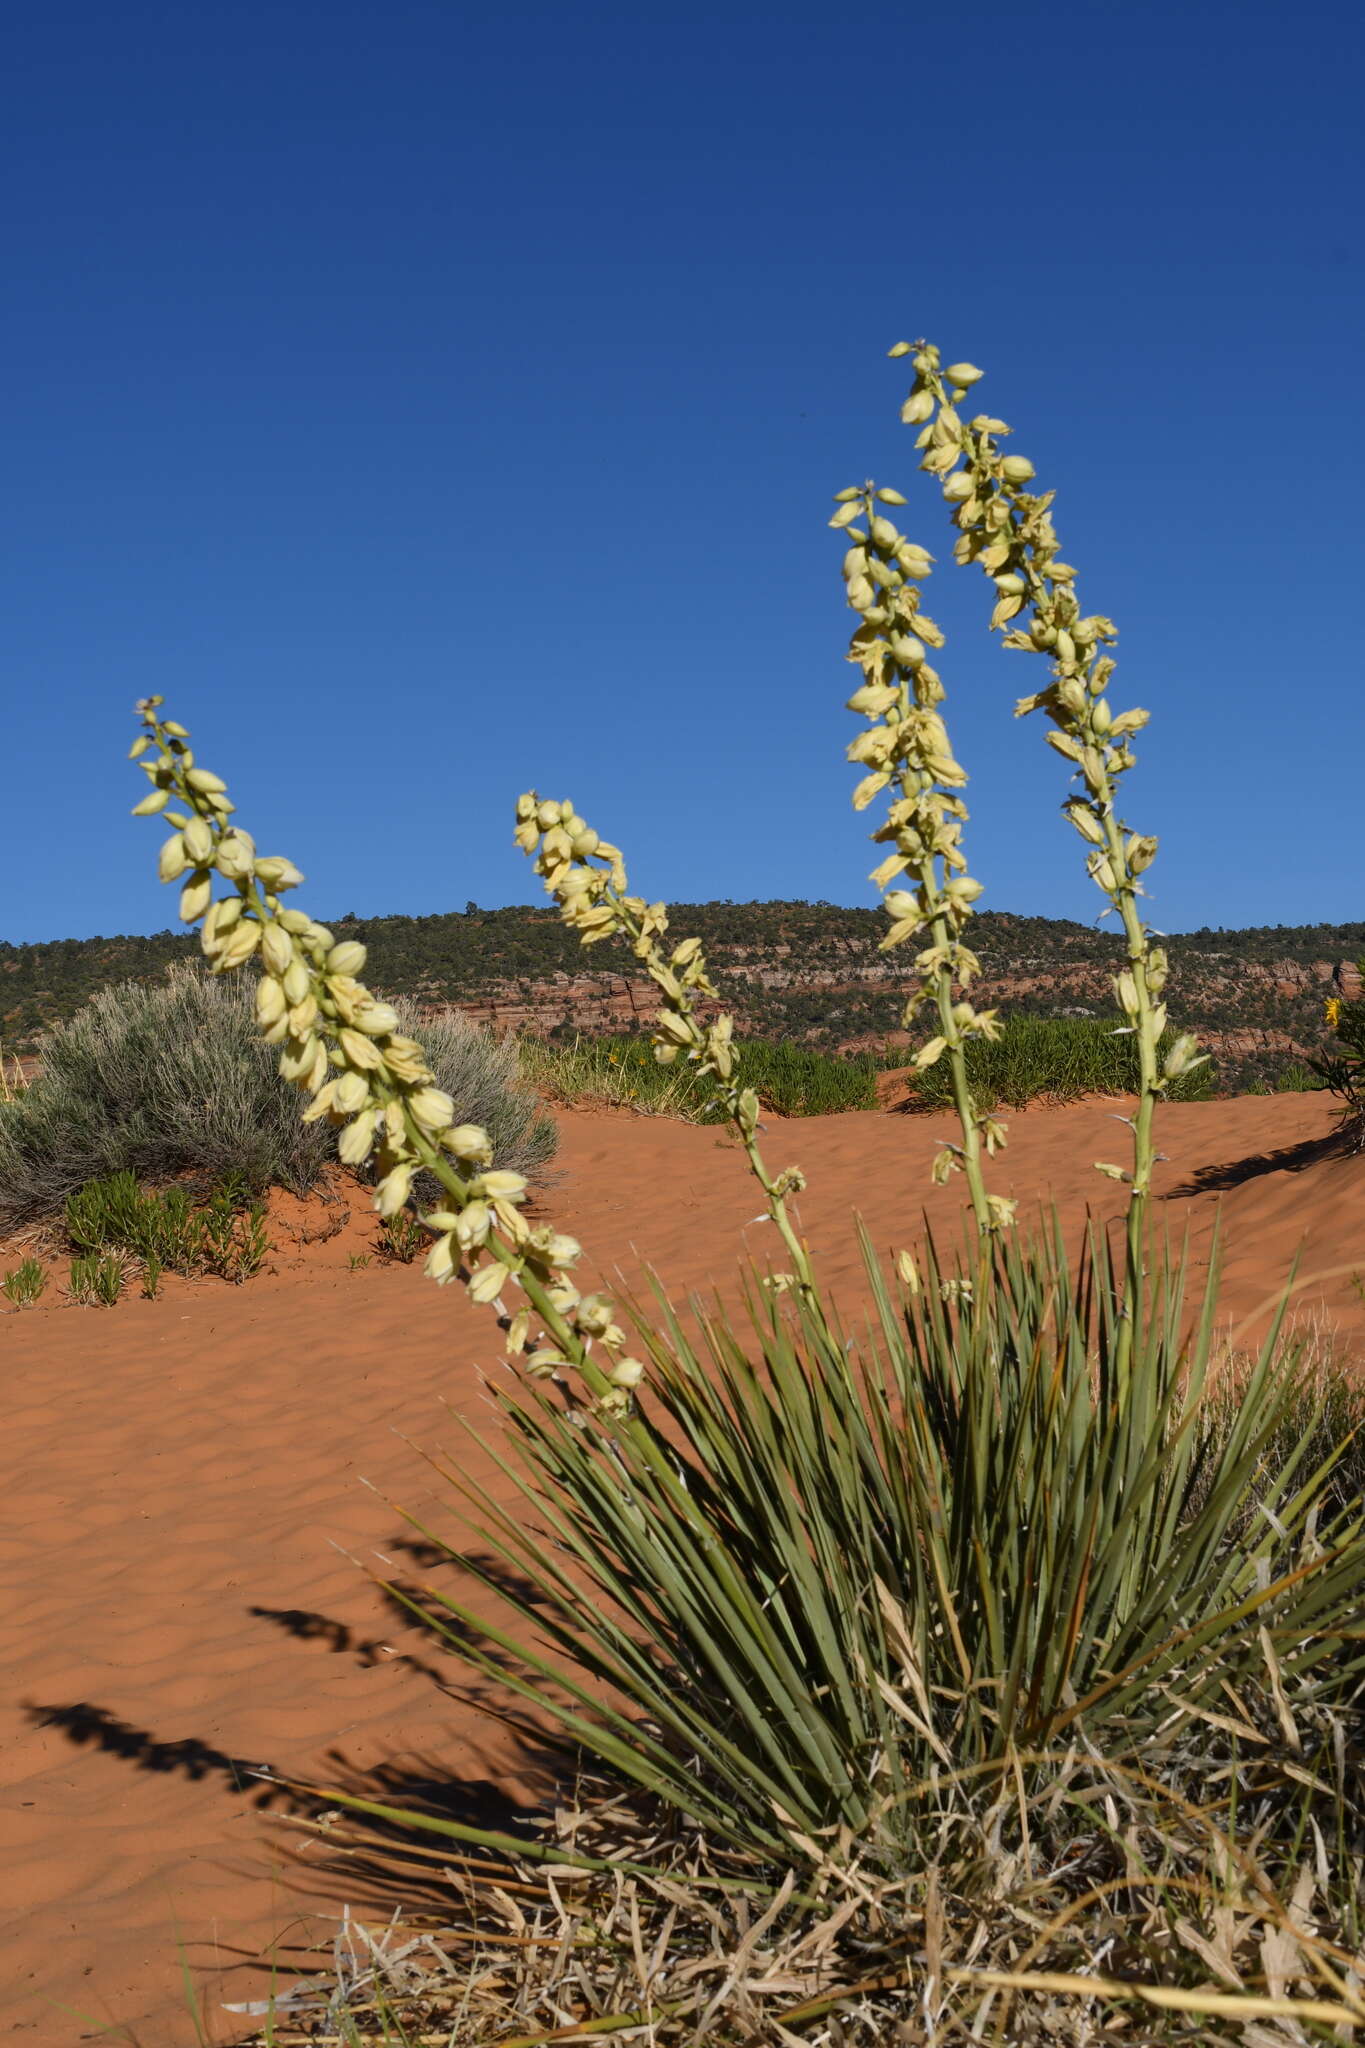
909 1556
841 1597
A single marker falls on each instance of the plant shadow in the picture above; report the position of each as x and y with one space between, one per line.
1233 1173
376 1862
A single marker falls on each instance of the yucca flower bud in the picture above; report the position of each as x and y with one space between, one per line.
376 1020
393 1191
277 948
199 841
195 897
593 1315
873 699
173 858
359 1051
323 1098
474 1223
432 1108
627 1372
298 983
469 1143
918 407
1017 469
270 1003
487 1284
1182 1057
440 1261
277 873
206 783
1085 821
964 375
957 489
297 1059
357 1140
351 1093
236 853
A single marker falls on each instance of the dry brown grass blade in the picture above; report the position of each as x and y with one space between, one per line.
1168 1998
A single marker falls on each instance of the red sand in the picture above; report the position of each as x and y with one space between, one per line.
179 1473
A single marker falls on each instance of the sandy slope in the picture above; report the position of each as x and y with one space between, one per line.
178 1476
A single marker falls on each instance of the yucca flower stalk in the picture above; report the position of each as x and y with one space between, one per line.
906 748
1006 525
586 876
343 1049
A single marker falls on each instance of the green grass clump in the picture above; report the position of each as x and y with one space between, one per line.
621 1072
173 1080
24 1283
96 1281
1052 1059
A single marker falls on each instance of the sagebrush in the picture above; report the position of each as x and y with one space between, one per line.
172 1080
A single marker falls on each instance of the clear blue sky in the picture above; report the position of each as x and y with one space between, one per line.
433 399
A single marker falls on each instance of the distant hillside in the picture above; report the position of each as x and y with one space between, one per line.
806 971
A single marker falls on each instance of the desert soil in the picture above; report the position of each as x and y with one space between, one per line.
181 1605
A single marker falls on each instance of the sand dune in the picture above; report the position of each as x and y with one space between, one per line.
183 1477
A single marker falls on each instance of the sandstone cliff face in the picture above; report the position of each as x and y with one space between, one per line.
1257 1016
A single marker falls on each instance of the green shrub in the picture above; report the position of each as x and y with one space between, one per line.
173 1080
24 1283
1052 1059
621 1072
1342 1068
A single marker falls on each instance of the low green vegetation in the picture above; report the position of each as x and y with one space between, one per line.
1052 1059
167 1232
24 1283
96 1280
622 1073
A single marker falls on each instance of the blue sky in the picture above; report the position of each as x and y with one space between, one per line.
434 400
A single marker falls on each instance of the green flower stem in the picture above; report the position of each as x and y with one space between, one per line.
730 1095
962 1094
587 878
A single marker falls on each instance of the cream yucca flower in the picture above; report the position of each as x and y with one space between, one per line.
1007 528
342 1047
586 876
907 742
